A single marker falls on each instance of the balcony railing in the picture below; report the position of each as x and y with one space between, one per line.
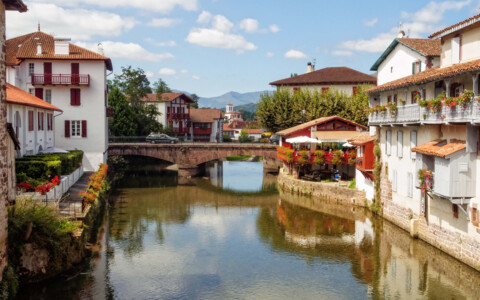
181 131
60 79
414 114
178 116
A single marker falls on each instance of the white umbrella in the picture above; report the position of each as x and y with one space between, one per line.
347 144
53 150
301 140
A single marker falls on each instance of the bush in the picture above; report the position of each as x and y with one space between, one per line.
226 138
244 138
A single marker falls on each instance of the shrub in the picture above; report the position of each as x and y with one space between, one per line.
226 138
303 157
244 138
319 157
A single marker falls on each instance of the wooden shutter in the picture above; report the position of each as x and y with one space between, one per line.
47 72
39 93
410 184
400 143
394 180
67 128
84 128
388 141
413 68
413 143
75 73
75 97
419 66
30 120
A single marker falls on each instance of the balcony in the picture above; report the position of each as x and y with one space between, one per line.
185 130
60 79
414 114
178 116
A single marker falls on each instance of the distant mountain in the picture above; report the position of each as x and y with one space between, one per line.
251 107
235 98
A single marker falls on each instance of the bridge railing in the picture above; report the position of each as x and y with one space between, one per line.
141 140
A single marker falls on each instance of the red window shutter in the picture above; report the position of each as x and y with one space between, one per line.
39 93
354 90
77 97
72 97
84 128
67 128
39 121
30 120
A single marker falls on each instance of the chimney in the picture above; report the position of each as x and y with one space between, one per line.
100 48
310 67
62 46
39 48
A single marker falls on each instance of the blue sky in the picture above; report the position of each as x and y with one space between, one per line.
210 47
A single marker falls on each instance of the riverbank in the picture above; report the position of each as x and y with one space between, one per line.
462 248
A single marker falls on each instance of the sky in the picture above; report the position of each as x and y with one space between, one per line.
210 47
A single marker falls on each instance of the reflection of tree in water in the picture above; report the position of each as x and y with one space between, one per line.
331 238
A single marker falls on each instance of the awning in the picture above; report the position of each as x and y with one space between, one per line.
441 147
335 136
301 140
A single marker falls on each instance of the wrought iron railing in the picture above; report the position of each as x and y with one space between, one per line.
60 79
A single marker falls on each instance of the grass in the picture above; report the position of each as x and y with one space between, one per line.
238 157
352 184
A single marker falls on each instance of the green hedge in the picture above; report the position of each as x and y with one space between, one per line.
42 167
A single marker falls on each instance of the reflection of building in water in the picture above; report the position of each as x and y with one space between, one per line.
214 170
363 230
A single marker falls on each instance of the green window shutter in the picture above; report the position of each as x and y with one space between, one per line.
413 68
419 66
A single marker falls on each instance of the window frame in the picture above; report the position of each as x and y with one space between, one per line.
78 130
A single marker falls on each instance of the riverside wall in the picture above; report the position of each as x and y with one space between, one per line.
462 247
3 149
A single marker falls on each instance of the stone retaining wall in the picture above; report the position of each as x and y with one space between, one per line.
3 148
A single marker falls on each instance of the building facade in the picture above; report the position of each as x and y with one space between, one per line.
174 109
434 133
207 125
71 78
334 79
232 115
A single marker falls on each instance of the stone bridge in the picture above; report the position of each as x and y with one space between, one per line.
188 156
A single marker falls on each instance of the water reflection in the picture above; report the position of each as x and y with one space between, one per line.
195 242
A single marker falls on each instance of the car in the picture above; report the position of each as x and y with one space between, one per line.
155 138
275 139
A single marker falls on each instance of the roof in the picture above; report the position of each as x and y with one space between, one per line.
423 47
253 131
429 75
166 97
455 27
17 5
205 115
362 139
335 136
440 147
331 75
240 124
226 128
316 122
13 136
18 96
25 47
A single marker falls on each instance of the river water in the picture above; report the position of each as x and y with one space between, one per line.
233 236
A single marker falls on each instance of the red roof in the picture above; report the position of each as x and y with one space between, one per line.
205 115
226 128
18 96
25 47
253 131
332 75
425 46
457 26
237 124
440 147
318 121
166 97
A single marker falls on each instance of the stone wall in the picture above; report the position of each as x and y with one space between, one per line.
3 148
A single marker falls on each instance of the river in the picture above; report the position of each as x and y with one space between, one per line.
232 236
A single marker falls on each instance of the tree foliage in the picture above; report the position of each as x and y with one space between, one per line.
195 101
161 87
283 109
123 122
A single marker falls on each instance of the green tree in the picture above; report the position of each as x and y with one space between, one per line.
123 122
247 115
195 100
133 83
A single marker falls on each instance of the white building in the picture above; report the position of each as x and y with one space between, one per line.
232 115
406 56
71 78
207 125
341 79
439 134
174 111
32 120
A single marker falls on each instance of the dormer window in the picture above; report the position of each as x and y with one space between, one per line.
416 67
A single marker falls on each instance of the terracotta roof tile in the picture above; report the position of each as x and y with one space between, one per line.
18 96
316 122
205 115
227 128
428 76
362 139
440 147
253 131
425 46
332 75
461 24
166 97
25 47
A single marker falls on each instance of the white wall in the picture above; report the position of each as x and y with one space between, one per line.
469 46
347 89
364 184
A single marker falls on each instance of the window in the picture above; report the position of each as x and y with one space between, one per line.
399 143
389 98
456 42
416 67
295 90
360 151
388 142
31 91
414 97
325 90
413 143
75 97
474 217
395 99
49 122
75 128
31 117
410 184
391 69
31 68
40 121
48 96
354 90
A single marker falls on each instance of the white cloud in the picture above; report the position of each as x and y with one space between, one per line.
131 51
149 74
161 6
295 54
249 25
270 54
167 71
196 77
218 35
184 71
164 22
204 17
342 52
274 28
418 24
79 24
370 23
